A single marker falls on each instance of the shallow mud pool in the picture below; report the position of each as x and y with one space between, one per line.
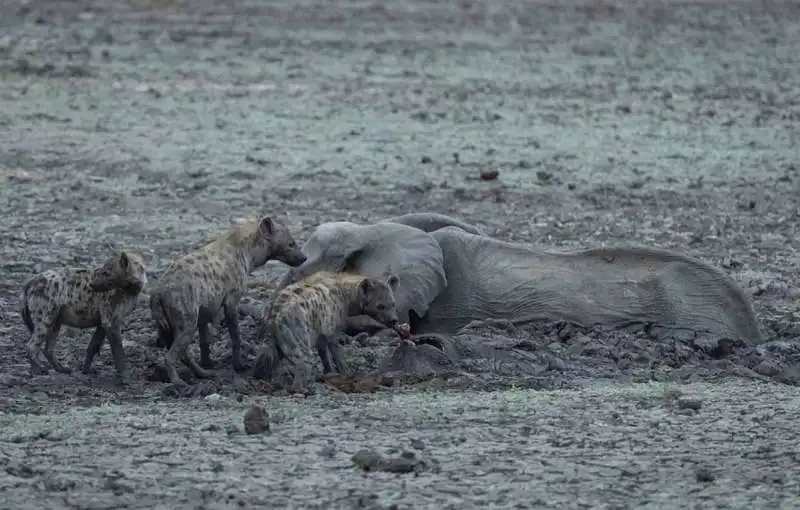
149 124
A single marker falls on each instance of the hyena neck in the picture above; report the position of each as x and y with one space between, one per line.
351 297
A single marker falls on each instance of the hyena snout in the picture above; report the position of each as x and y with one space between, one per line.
293 258
388 318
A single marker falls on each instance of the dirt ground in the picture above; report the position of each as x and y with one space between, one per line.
148 124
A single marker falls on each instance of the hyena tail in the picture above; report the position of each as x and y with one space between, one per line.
166 333
24 311
267 360
26 316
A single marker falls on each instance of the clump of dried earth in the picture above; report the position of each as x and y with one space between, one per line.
148 124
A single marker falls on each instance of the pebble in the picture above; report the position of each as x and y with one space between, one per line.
256 420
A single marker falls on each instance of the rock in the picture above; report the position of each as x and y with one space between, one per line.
367 460
256 420
488 175
690 403
399 465
417 444
704 474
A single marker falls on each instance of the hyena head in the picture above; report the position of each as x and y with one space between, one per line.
124 271
275 241
377 299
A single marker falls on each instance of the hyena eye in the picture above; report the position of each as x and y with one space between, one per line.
381 308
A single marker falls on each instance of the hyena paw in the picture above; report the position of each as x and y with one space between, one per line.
39 370
239 365
123 379
62 369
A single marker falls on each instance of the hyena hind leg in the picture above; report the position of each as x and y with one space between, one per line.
181 341
231 306
204 337
197 370
94 348
50 348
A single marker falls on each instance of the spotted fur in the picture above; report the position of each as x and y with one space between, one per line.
195 287
100 298
307 316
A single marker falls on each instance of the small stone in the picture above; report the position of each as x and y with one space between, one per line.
367 460
399 465
704 474
690 403
426 160
256 420
328 452
417 444
489 175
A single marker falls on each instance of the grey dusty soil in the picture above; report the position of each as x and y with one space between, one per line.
149 124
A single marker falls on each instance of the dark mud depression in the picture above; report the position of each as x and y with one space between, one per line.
148 125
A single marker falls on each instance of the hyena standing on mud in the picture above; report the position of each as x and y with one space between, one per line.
194 288
307 315
82 298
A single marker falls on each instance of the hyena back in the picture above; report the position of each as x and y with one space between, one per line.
196 286
306 316
82 298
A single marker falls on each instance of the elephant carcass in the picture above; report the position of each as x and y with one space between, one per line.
430 221
377 251
490 278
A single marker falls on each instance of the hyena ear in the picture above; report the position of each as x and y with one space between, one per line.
364 286
393 282
266 226
123 260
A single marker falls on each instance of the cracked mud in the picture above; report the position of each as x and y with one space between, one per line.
149 124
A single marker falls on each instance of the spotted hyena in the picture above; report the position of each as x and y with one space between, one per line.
195 287
100 298
306 316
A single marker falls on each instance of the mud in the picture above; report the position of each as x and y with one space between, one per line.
147 125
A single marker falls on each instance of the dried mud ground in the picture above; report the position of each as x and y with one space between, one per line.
147 125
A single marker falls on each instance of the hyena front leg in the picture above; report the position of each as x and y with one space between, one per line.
50 348
334 348
231 306
95 345
298 351
120 361
33 349
324 354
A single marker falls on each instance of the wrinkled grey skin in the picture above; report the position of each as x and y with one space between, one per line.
486 278
377 251
617 286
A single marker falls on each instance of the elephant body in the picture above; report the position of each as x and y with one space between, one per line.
451 274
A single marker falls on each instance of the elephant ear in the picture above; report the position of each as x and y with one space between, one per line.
377 251
409 253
